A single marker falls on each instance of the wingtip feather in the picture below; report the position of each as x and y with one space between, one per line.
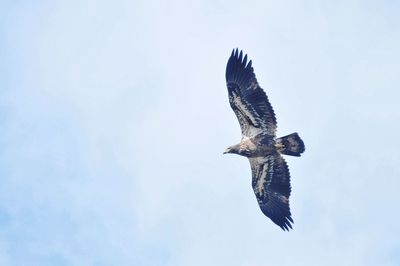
238 70
245 60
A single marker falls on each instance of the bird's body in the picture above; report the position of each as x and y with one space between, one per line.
253 147
270 173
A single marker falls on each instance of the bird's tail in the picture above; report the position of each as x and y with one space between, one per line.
290 145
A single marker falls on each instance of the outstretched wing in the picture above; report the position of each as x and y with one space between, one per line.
247 98
271 184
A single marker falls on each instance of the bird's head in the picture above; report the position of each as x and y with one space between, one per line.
232 149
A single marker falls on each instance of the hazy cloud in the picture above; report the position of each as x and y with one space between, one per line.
114 118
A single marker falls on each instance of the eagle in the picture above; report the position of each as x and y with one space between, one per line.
270 172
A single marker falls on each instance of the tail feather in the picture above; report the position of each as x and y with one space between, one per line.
290 145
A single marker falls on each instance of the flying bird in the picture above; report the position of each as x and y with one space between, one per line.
270 172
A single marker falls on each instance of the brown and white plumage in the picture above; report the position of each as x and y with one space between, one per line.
247 98
270 173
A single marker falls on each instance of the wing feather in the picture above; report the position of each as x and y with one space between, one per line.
271 185
247 99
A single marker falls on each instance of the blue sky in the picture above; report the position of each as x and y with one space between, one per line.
114 117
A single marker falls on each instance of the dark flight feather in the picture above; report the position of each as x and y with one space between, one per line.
247 99
271 185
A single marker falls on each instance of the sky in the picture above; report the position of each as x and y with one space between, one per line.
114 117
